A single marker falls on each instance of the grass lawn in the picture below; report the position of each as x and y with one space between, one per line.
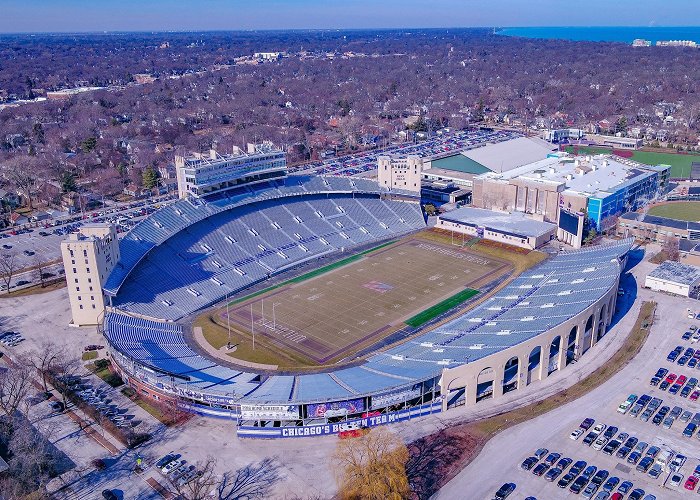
101 368
680 163
441 307
449 451
90 355
681 210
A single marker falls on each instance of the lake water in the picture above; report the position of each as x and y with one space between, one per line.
624 34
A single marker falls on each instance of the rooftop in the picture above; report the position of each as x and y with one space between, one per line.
675 272
515 223
507 155
591 176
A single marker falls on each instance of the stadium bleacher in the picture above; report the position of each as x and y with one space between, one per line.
535 302
233 249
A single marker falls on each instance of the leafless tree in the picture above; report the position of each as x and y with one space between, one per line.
39 270
50 359
250 482
671 248
15 386
8 268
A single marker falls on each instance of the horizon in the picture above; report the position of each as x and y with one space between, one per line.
283 30
77 16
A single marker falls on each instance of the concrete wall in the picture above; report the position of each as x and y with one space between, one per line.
584 330
400 173
660 285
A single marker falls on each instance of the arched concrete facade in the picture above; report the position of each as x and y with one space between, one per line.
532 356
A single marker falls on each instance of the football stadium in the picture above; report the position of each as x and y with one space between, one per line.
337 276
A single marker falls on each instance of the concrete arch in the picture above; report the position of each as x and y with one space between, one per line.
571 346
602 323
485 383
554 355
534 365
511 372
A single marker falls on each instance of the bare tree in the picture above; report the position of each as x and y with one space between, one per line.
15 385
48 360
672 249
39 268
250 482
8 268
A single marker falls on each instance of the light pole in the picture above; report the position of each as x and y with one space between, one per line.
228 322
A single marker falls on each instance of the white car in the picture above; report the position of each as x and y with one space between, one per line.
677 462
576 434
599 428
600 443
695 337
168 468
675 479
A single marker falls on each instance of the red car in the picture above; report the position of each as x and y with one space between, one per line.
616 496
681 380
691 483
695 395
671 378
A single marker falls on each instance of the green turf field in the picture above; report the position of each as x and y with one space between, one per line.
680 210
680 163
441 307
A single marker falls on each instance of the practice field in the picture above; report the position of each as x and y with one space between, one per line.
680 210
331 316
680 163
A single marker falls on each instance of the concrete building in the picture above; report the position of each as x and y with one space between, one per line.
511 229
617 142
199 175
600 186
403 173
88 258
647 227
674 277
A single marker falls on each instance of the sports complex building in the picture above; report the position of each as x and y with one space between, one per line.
201 250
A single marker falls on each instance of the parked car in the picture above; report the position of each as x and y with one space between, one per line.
505 491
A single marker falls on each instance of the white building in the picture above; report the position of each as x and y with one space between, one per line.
400 173
200 175
511 229
674 277
88 258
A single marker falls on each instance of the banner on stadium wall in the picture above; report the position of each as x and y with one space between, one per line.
337 409
396 397
327 429
269 412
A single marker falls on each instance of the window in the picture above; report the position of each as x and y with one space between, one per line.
81 306
84 253
77 288
91 289
93 306
76 280
72 261
92 297
80 298
75 270
71 253
86 262
88 269
89 280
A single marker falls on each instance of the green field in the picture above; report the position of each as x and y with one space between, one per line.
680 163
441 307
680 210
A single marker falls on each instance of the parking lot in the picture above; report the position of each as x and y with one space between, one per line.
42 243
500 461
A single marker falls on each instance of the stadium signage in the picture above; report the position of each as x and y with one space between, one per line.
335 428
279 412
392 398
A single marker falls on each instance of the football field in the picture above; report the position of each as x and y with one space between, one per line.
331 316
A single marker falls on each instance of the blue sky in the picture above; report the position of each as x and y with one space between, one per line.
139 15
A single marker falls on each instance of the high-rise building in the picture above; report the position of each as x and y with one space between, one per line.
202 175
88 258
